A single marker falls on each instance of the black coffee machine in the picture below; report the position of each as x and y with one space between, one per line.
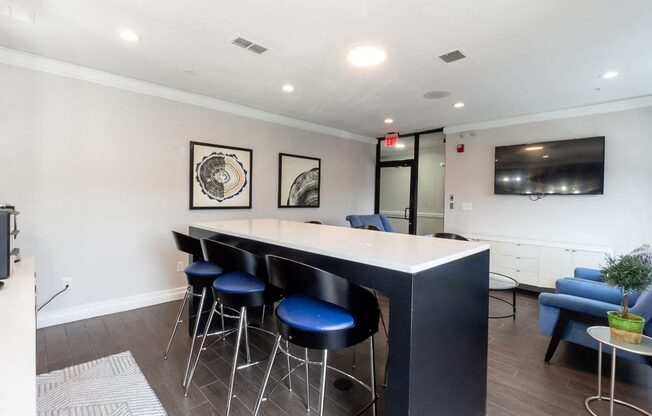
8 233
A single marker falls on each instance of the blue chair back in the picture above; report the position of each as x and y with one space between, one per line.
643 307
377 220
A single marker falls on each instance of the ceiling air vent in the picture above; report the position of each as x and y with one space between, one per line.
249 45
257 48
452 56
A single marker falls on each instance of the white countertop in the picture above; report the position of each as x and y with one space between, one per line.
401 252
18 342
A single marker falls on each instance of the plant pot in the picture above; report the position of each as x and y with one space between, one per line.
627 330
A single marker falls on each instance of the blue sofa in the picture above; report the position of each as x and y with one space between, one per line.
377 220
583 301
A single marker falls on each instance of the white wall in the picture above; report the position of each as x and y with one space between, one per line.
100 176
620 219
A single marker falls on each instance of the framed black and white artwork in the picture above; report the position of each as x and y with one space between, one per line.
220 176
298 181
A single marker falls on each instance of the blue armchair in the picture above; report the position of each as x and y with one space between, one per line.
583 301
378 220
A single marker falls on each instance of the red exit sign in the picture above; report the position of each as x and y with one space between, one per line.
391 139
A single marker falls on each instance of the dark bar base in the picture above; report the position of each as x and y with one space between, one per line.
438 327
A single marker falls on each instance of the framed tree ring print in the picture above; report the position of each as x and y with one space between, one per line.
220 176
298 181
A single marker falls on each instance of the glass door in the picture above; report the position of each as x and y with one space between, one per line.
395 196
410 182
430 195
395 184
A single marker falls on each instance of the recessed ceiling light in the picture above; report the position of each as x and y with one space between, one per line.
529 149
288 88
129 36
458 105
365 56
609 75
389 120
545 156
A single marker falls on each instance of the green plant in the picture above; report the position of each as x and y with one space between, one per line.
629 273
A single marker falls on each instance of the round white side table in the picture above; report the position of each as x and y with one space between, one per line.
603 336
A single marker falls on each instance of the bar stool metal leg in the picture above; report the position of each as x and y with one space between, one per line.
287 348
234 363
246 334
222 317
201 346
177 322
307 381
372 384
268 371
322 382
194 334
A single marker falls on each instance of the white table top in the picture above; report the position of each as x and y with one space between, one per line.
18 342
401 252
603 334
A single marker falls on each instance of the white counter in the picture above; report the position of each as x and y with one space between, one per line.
401 252
18 342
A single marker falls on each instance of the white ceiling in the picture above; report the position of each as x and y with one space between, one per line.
527 56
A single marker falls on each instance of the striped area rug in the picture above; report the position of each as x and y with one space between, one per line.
110 386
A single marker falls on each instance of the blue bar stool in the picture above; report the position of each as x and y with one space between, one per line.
321 311
242 285
199 275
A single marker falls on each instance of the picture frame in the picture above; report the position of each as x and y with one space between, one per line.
220 176
299 181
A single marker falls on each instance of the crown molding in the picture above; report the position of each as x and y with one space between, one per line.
39 63
608 107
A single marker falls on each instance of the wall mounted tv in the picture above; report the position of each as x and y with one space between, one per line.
565 167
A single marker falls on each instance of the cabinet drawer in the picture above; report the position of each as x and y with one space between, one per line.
521 250
522 276
520 263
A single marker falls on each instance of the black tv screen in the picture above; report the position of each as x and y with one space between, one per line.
565 167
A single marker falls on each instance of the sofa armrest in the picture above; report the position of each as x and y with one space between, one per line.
577 304
592 290
588 274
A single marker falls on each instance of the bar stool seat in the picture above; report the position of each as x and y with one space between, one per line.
202 268
239 283
311 314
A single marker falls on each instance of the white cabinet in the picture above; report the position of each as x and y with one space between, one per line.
539 263
592 259
554 263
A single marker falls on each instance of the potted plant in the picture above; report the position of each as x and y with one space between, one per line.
629 273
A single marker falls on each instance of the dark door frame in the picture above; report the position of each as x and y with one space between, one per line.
414 175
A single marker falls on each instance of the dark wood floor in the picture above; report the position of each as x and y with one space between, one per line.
519 383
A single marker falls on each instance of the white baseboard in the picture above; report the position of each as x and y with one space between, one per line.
91 310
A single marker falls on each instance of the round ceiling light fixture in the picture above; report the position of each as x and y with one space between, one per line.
609 75
365 56
389 120
129 36
436 95
288 88
458 104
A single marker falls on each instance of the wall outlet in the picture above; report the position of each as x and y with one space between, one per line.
180 266
66 281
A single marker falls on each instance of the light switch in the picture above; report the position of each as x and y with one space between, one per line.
467 206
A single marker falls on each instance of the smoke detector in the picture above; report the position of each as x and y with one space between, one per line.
249 45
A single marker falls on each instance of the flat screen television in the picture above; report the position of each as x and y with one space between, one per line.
565 167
